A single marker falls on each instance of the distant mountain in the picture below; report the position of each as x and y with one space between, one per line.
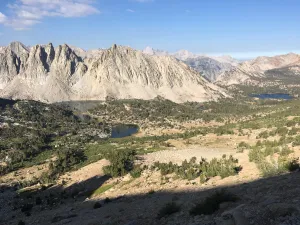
209 66
184 55
226 71
65 73
226 59
254 70
150 51
87 54
79 51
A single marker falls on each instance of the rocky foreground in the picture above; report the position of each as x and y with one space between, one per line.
270 201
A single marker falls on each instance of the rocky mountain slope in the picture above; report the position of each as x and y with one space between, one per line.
209 66
56 74
254 70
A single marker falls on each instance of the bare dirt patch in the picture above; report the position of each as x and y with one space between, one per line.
177 156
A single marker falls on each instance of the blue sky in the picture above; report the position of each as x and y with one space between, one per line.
242 28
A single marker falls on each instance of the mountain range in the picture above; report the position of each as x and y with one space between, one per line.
227 71
65 73
209 66
261 70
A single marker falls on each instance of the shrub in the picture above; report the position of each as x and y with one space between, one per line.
121 162
212 204
267 169
219 120
223 130
285 151
258 153
243 145
203 178
293 165
293 131
168 209
272 133
281 131
291 123
296 141
151 192
107 200
223 167
285 140
259 143
67 158
97 205
264 134
269 151
47 178
136 172
282 165
220 167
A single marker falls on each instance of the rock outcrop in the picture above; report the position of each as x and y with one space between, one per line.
11 62
51 74
209 67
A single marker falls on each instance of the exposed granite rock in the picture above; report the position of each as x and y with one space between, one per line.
51 74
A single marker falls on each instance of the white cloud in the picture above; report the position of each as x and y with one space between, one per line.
26 13
130 10
2 18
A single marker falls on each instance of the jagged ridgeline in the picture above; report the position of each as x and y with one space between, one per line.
51 74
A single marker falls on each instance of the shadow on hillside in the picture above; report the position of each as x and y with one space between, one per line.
259 202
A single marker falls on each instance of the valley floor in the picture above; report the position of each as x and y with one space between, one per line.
264 191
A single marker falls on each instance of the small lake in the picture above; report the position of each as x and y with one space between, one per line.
123 130
272 96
